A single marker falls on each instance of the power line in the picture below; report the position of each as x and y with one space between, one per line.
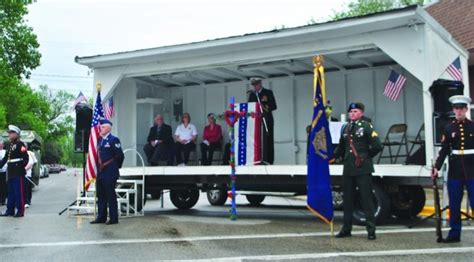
62 76
58 80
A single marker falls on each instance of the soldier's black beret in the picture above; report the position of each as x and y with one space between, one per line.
356 106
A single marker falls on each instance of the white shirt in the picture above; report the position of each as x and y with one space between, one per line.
2 154
186 133
31 161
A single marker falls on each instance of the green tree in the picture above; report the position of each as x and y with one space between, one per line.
365 7
18 56
21 106
53 153
60 123
18 44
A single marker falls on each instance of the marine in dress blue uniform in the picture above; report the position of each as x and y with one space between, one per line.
110 161
16 157
458 144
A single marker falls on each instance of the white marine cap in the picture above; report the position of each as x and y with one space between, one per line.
12 128
460 100
255 79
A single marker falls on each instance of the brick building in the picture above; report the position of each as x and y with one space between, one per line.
457 16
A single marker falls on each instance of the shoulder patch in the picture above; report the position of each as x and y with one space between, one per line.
117 145
374 134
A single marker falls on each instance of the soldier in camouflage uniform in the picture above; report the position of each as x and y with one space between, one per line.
358 144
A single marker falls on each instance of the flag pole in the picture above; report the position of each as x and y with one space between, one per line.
98 86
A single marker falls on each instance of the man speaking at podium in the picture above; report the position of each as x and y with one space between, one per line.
267 104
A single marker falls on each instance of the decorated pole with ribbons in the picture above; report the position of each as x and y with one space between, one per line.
231 116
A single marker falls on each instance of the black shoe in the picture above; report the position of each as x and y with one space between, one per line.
6 215
110 222
343 233
97 222
452 240
371 236
18 215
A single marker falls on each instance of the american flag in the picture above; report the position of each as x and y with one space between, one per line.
109 110
92 155
80 98
454 70
394 85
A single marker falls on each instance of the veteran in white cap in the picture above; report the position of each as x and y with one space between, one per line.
266 101
111 158
17 158
458 143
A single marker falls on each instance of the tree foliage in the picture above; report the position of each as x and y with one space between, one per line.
18 44
43 111
365 7
60 123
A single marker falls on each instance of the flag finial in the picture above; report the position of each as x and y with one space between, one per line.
98 86
318 61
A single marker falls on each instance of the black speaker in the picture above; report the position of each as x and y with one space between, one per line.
439 124
441 90
83 128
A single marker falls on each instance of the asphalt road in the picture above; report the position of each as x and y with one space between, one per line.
282 229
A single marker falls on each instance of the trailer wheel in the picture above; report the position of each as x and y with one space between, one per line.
381 203
255 200
217 196
408 201
337 198
155 195
184 198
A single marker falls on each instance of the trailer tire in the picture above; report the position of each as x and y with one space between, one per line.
156 195
217 196
408 201
184 198
382 206
255 200
337 198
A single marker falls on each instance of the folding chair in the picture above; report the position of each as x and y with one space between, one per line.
396 136
193 157
419 139
220 155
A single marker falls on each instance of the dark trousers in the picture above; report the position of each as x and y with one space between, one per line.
456 192
16 196
226 157
184 150
207 152
105 188
28 187
364 183
268 152
157 153
3 187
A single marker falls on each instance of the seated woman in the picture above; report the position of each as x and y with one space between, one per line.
185 135
212 138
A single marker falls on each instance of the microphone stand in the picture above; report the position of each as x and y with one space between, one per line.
261 110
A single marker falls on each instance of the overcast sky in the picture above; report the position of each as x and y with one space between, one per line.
66 29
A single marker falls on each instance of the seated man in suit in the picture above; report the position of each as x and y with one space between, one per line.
159 145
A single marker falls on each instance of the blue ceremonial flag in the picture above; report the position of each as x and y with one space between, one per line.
319 151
